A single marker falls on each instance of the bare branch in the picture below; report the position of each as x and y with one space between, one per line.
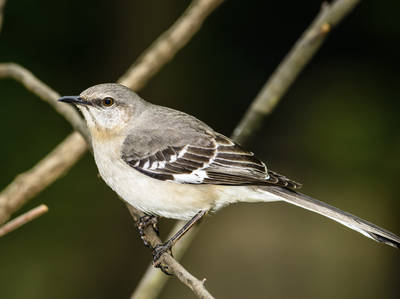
288 70
2 4
30 183
44 92
168 262
168 44
154 280
197 286
23 219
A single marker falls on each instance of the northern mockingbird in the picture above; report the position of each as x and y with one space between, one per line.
170 164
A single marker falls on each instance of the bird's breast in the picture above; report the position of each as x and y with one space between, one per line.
153 196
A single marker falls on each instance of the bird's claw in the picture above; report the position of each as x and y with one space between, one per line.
143 223
158 251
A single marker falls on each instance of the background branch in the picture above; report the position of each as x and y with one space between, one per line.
23 219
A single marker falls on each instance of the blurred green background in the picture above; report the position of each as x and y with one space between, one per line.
336 131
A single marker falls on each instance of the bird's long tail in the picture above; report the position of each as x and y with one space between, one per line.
364 227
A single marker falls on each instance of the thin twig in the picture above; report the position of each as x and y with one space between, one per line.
154 280
23 219
288 70
168 262
168 44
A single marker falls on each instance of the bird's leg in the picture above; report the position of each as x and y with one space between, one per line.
166 247
144 222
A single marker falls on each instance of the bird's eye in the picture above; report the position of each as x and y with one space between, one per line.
107 102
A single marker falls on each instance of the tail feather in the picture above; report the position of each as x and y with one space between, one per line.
364 227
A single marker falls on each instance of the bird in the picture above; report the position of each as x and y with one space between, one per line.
167 163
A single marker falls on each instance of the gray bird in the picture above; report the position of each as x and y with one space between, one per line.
167 163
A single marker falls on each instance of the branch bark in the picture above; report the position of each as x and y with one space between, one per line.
153 280
291 66
157 279
23 219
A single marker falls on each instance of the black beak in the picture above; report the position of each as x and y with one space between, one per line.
73 100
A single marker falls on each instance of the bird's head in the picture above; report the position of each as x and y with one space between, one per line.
108 108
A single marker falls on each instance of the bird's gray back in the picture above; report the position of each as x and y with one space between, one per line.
159 127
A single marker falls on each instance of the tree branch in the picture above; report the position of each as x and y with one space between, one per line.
23 219
153 280
168 262
168 44
291 66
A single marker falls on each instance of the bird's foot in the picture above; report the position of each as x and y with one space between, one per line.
143 223
158 251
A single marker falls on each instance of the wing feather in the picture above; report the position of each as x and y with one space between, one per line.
219 161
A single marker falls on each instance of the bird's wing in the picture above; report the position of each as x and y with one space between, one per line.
217 160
